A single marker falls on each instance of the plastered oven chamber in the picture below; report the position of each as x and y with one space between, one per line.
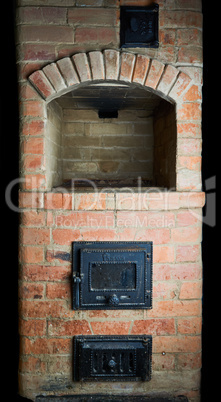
157 137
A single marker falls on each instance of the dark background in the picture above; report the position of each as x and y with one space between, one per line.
9 220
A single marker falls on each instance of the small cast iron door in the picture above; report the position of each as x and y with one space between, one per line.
112 358
112 275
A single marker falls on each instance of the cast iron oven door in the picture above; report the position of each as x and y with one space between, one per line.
112 275
112 358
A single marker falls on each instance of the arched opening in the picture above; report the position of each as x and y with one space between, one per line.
114 133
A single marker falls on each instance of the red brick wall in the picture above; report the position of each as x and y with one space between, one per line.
47 32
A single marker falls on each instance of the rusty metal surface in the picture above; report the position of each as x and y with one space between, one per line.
112 275
112 357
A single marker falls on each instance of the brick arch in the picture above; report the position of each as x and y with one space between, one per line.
62 76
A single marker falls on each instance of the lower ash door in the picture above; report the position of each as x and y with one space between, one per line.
112 358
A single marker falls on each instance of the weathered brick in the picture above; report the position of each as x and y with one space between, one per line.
101 35
41 83
35 272
81 62
33 163
154 326
32 327
110 328
190 325
186 218
111 58
68 71
164 291
35 51
59 364
97 65
188 180
158 236
58 291
85 219
140 69
32 365
127 66
193 94
94 201
192 199
47 346
191 290
46 33
163 254
169 76
34 182
179 344
176 308
35 236
186 234
53 74
163 362
33 218
29 254
68 328
190 54
58 255
154 73
42 309
189 361
31 291
33 108
33 146
46 15
189 162
30 200
188 253
181 84
93 16
101 234
143 219
65 236
33 127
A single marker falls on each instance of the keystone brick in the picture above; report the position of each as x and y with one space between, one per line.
97 65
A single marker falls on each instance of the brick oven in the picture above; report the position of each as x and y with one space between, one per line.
110 150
